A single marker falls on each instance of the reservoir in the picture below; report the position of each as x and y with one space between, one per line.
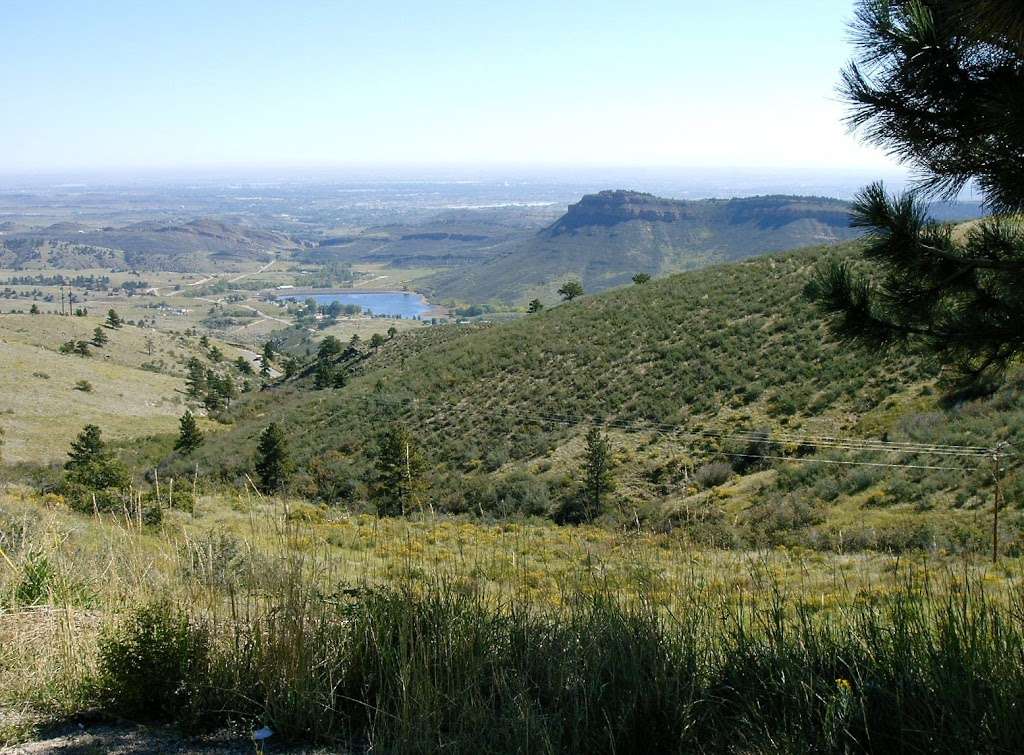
404 304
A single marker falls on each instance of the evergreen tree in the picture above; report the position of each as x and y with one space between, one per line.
598 480
34 310
114 320
641 278
204 341
99 337
290 366
938 83
398 481
535 306
323 377
196 378
272 461
376 341
329 348
243 366
570 290
189 434
226 389
264 367
91 464
216 355
392 331
268 353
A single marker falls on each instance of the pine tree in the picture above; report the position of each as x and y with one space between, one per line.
196 378
99 337
268 353
34 310
376 341
290 366
535 306
91 464
189 434
329 347
243 366
938 84
114 320
272 461
598 480
398 482
323 377
641 278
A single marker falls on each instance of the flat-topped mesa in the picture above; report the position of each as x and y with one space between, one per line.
611 207
618 206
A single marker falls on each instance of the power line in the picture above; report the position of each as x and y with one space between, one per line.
677 432
824 441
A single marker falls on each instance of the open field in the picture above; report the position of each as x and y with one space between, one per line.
312 618
137 383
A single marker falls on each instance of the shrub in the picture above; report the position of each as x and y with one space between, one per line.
713 475
153 666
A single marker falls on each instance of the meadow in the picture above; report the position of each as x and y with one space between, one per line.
441 633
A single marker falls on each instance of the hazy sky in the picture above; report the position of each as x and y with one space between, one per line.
201 83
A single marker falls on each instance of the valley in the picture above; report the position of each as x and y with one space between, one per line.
437 405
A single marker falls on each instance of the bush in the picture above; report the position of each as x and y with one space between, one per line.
712 475
154 665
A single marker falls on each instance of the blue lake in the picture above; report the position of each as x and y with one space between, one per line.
390 303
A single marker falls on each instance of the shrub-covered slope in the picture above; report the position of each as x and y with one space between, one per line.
733 347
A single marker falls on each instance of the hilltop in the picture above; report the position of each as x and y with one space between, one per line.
199 245
734 347
606 238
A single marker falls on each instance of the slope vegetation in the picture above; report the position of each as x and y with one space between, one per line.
731 348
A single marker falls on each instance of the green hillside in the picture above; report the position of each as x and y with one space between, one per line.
606 238
732 348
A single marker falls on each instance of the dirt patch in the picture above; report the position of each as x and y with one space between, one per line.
115 739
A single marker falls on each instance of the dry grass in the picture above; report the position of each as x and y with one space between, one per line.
40 410
267 581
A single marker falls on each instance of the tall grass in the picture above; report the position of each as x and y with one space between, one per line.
370 634
440 667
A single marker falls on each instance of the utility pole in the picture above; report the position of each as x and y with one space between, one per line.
997 502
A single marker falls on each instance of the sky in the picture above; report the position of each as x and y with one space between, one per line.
190 84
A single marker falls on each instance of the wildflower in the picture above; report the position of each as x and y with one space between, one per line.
844 685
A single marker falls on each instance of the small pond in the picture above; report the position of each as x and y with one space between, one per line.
403 304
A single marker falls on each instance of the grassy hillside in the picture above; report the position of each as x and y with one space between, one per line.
136 383
606 238
731 348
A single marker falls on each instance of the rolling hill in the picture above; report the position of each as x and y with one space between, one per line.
200 245
500 412
605 238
